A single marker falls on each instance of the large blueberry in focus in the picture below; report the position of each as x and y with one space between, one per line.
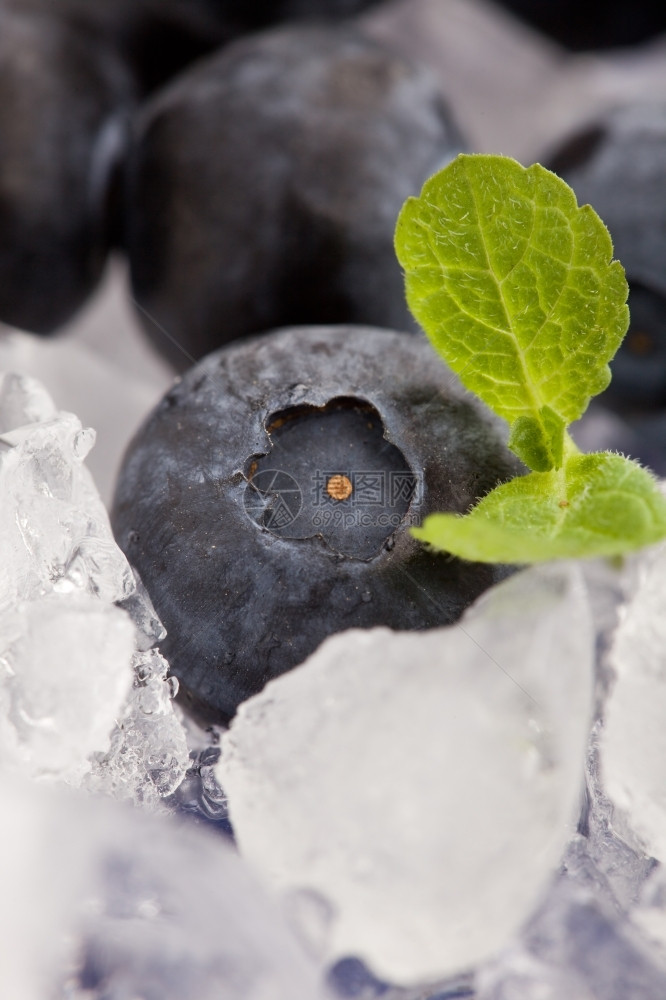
266 502
618 165
64 100
264 185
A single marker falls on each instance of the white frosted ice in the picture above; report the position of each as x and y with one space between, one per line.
633 739
421 787
64 675
70 673
54 529
102 901
36 904
650 914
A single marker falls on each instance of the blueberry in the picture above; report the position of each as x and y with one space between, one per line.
63 102
264 186
243 16
618 164
266 502
639 368
161 37
158 38
155 39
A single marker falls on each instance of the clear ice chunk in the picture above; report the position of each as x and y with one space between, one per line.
149 629
73 688
422 786
54 529
199 795
149 756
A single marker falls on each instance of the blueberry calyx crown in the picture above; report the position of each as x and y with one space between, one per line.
331 475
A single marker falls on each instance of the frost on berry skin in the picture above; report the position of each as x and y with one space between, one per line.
225 506
264 184
64 97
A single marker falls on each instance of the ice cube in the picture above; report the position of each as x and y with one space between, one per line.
633 739
65 670
67 653
593 935
578 945
422 786
23 400
102 901
616 852
54 530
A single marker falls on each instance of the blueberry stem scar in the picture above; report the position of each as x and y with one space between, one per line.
339 487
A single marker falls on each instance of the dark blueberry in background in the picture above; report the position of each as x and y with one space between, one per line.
266 502
262 13
639 369
618 165
265 183
588 24
158 38
64 107
641 437
161 37
154 38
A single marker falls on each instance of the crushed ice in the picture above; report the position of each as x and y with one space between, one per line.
481 806
82 697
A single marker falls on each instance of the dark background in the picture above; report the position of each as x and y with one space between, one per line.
590 24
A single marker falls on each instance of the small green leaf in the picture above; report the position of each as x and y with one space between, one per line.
516 287
539 441
596 505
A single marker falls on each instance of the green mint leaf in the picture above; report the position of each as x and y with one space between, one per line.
595 505
539 442
516 287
